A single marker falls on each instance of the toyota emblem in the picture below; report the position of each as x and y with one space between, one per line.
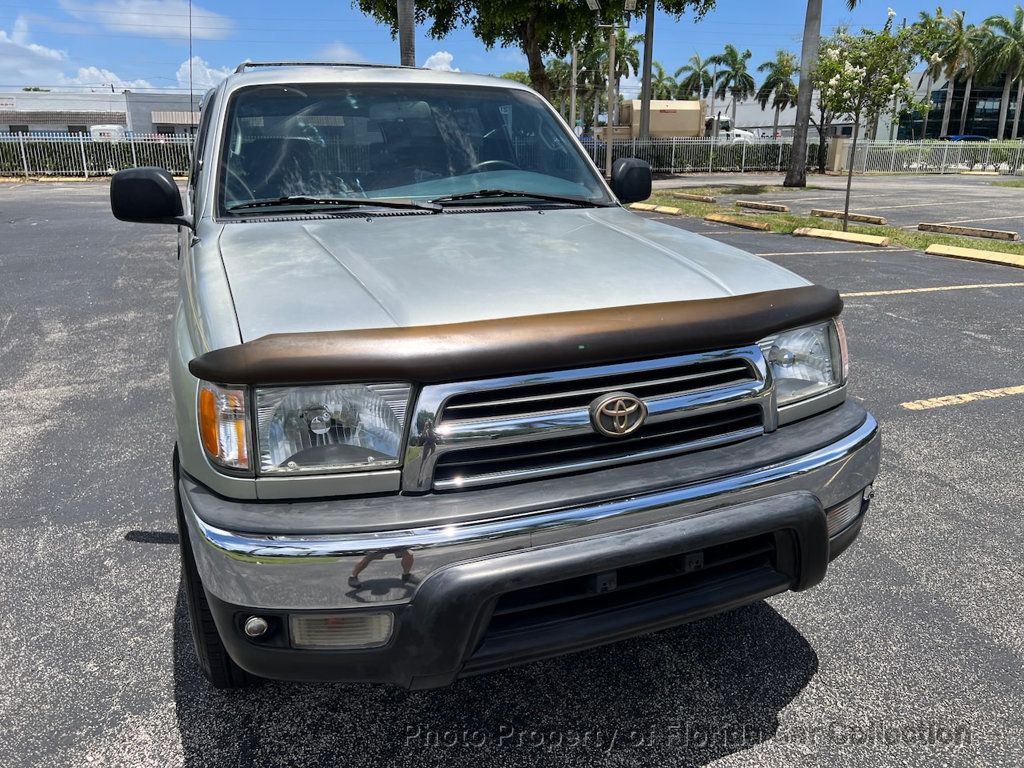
617 414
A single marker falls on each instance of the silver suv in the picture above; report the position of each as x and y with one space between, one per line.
443 405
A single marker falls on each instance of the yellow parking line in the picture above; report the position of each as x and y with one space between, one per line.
969 397
899 291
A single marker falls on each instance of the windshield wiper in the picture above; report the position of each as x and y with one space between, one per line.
487 193
314 203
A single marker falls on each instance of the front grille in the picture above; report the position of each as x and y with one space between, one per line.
578 393
518 428
519 459
668 578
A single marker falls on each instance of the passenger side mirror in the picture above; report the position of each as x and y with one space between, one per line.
147 195
631 180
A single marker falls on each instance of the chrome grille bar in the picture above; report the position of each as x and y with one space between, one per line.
450 419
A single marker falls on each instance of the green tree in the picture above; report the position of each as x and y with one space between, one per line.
627 63
734 79
559 73
539 28
663 85
968 41
519 75
778 86
930 37
796 175
1005 56
865 76
697 77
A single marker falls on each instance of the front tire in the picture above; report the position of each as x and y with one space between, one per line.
217 666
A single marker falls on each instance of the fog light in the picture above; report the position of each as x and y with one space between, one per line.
341 630
256 626
839 517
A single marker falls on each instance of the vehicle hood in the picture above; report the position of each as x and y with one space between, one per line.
308 274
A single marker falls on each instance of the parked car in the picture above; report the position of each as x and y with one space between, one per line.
444 405
966 137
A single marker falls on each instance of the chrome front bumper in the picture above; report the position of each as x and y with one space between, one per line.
297 572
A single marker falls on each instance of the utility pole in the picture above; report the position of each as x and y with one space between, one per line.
610 129
645 89
572 94
407 32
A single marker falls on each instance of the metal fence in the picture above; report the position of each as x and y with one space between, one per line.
922 157
706 155
66 154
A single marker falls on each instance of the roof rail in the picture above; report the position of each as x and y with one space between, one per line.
255 64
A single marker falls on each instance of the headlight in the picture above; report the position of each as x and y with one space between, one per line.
224 425
807 361
332 428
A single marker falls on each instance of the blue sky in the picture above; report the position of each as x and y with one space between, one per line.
143 43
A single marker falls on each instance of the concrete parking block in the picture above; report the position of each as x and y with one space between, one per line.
695 197
956 229
668 209
848 237
722 218
775 207
642 206
974 254
860 218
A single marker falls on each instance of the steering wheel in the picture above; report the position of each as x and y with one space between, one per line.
233 178
494 165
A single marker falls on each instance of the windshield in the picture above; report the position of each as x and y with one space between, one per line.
409 142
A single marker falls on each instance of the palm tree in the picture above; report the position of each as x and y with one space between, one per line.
971 40
627 63
930 33
733 78
560 74
663 85
697 79
1006 56
796 175
959 59
778 86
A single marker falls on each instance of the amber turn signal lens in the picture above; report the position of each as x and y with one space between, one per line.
224 425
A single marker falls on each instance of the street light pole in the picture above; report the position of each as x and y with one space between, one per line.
610 129
646 85
572 94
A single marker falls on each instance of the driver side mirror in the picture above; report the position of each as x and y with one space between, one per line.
631 180
147 195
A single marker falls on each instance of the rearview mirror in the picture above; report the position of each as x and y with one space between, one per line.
631 180
147 195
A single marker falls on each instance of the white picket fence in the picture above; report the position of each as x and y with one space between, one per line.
66 154
924 157
63 154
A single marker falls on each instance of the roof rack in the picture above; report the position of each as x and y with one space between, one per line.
255 64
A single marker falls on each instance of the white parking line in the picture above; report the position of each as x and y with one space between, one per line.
865 249
994 218
899 291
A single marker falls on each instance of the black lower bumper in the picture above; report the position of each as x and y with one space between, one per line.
497 611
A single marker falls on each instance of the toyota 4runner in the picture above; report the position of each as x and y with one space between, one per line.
444 405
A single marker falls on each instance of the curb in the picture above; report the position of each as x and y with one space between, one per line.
846 237
759 206
954 229
721 218
973 254
860 218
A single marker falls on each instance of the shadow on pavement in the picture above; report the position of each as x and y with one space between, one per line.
684 696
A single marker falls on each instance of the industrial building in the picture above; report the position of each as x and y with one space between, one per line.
69 112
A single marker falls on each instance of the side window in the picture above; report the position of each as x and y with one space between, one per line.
195 172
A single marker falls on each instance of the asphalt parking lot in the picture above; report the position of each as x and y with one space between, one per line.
905 201
911 653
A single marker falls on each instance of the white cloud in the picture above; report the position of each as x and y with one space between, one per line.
204 76
98 77
152 18
441 61
339 51
25 63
